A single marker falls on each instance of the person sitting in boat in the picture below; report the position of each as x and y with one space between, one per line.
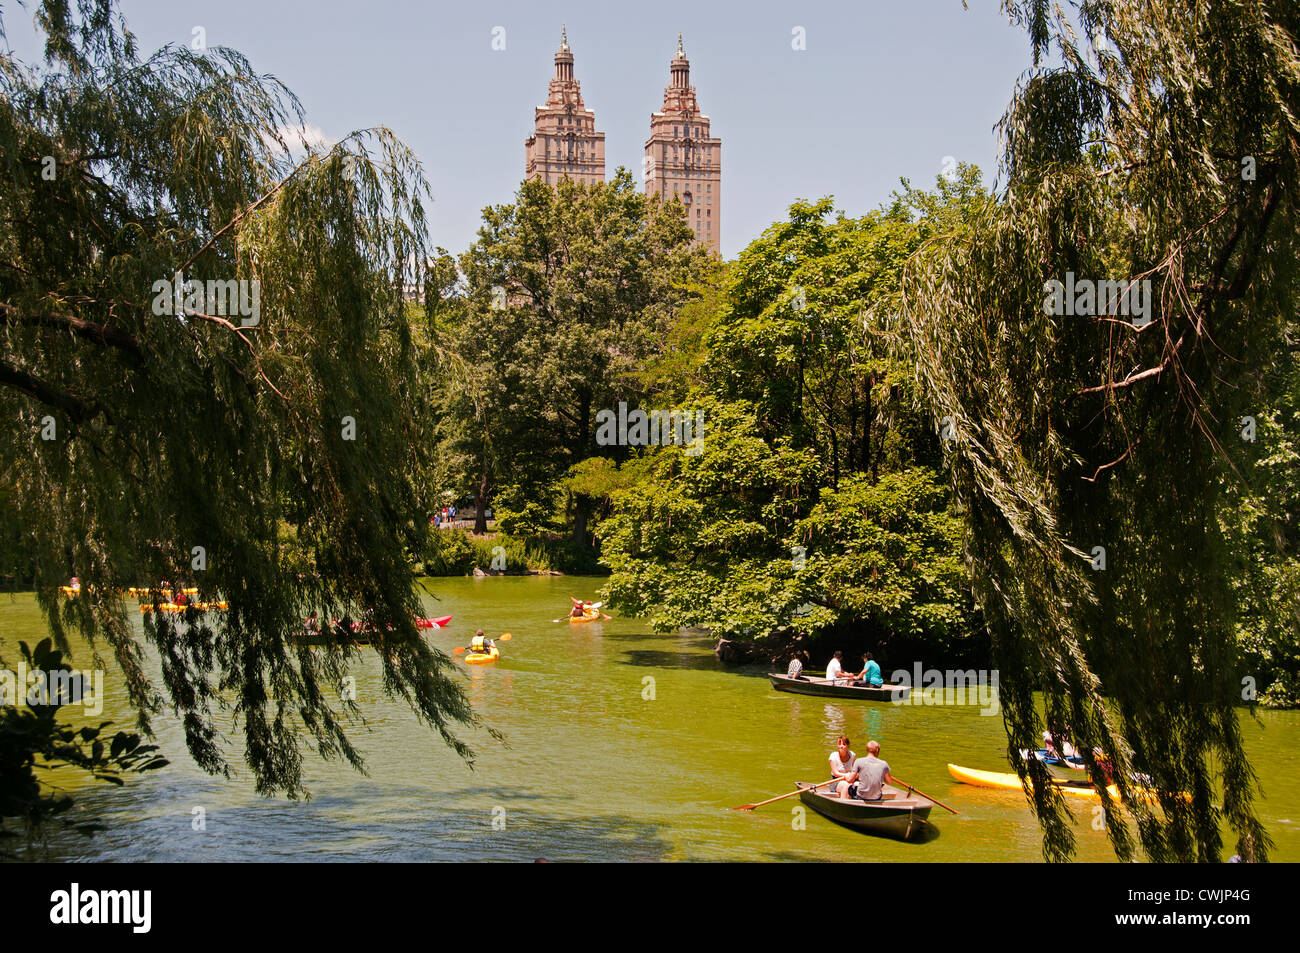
1057 745
796 667
578 610
835 670
74 584
870 676
1107 766
868 778
842 762
481 644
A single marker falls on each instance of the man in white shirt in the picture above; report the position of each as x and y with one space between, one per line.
836 669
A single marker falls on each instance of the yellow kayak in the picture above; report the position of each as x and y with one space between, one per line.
173 607
588 615
1011 782
482 658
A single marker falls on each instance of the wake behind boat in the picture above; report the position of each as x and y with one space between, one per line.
901 814
824 688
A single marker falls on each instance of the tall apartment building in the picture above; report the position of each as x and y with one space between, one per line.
682 159
564 140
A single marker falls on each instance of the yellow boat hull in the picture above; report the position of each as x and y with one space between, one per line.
173 607
482 658
1011 782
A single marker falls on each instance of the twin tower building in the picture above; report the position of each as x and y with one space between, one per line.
682 160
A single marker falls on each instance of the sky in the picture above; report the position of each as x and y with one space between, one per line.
883 89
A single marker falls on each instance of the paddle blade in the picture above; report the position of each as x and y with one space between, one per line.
744 807
505 638
458 650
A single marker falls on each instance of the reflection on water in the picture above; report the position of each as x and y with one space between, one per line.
592 767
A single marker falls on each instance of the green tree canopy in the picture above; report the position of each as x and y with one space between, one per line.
268 455
1150 143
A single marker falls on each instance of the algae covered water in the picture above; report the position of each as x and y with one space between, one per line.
620 744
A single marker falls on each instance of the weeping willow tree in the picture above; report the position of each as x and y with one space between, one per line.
1097 442
208 376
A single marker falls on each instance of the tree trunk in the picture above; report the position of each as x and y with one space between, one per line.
481 500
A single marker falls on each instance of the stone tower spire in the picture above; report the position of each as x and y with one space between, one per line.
682 159
564 143
564 58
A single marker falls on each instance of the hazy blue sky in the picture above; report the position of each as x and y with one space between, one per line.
883 90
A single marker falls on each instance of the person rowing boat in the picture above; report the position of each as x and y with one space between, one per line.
835 670
867 779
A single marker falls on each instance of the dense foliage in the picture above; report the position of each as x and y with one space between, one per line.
565 294
1150 143
267 452
815 503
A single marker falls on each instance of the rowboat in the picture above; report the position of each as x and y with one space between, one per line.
824 689
361 633
901 815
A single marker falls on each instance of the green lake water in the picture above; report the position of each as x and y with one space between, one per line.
592 768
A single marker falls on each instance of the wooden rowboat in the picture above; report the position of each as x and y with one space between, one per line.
901 816
824 689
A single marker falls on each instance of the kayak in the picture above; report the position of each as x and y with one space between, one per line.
588 615
433 623
1011 782
1063 769
482 658
900 816
173 607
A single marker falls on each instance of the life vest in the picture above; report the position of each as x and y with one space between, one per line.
477 643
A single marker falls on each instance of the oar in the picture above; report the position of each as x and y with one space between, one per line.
500 638
910 787
782 797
